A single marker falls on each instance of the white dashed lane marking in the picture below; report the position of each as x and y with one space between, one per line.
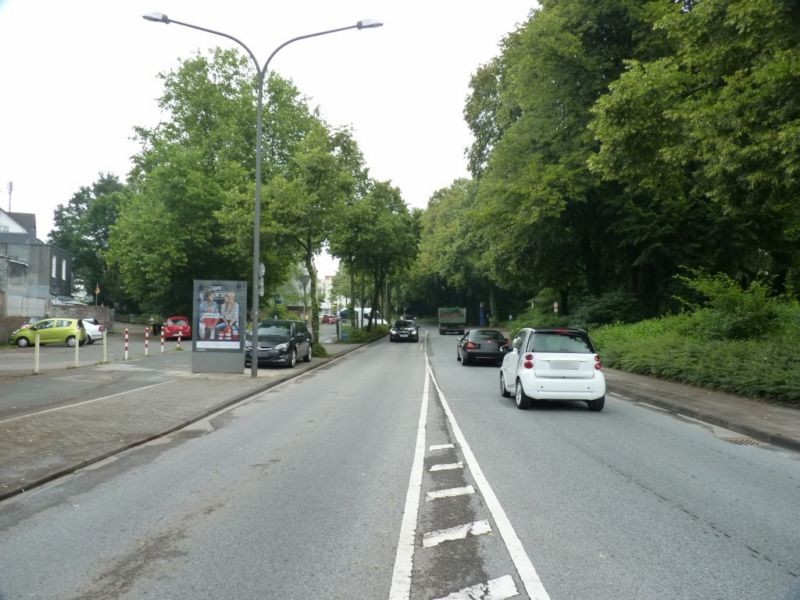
449 493
447 466
496 589
434 538
441 447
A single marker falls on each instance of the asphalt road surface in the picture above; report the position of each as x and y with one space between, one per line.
396 472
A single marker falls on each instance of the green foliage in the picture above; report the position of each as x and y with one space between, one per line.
732 312
360 336
677 348
318 351
82 228
616 306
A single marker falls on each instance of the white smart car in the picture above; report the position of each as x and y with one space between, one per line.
553 364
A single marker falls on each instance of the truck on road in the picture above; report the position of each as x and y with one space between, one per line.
452 319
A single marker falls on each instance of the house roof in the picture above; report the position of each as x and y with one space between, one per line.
24 233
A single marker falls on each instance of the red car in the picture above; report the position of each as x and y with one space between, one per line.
177 325
330 319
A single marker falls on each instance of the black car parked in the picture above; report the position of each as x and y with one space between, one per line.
280 342
481 345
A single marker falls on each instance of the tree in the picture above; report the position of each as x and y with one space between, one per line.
82 228
544 213
705 139
303 204
191 217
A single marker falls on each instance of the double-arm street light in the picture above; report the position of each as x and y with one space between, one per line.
262 74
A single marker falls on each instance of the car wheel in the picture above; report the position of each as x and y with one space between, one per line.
23 342
71 341
89 340
292 361
464 360
597 405
307 357
503 391
520 399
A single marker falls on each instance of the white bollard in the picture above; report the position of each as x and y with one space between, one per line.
147 342
126 343
36 356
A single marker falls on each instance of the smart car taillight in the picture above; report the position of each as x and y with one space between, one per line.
598 364
470 346
528 364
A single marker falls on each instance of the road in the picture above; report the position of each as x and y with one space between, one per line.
395 472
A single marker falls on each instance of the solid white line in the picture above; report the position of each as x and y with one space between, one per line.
404 558
527 572
496 589
434 538
447 466
58 408
449 493
441 447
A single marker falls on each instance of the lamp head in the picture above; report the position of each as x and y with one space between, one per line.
368 24
157 17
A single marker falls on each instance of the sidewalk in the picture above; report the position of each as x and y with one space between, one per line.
771 423
40 447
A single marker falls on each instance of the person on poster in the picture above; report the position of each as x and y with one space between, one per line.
209 316
230 316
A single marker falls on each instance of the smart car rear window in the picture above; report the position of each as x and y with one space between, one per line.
558 341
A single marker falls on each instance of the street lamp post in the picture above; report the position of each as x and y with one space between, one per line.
262 72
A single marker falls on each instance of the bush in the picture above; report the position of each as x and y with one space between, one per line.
732 312
679 348
318 351
617 306
362 335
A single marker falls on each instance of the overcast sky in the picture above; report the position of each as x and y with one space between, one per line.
76 77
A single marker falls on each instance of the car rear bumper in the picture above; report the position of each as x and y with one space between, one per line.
487 356
540 388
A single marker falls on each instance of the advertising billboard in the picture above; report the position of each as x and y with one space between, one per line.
219 315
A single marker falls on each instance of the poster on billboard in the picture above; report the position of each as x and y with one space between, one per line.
218 315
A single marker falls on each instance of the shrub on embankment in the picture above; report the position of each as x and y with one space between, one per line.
741 341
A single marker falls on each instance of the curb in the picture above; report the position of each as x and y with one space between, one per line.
714 419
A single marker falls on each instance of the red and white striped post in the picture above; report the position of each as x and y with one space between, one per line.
126 343
147 342
162 340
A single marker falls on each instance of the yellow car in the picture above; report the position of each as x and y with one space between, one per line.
56 330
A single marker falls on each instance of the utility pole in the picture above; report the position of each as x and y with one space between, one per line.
10 189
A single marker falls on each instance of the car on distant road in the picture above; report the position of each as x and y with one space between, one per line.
94 330
404 330
553 364
177 326
56 330
280 341
481 345
329 319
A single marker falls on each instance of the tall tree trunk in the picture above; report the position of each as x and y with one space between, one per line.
312 274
